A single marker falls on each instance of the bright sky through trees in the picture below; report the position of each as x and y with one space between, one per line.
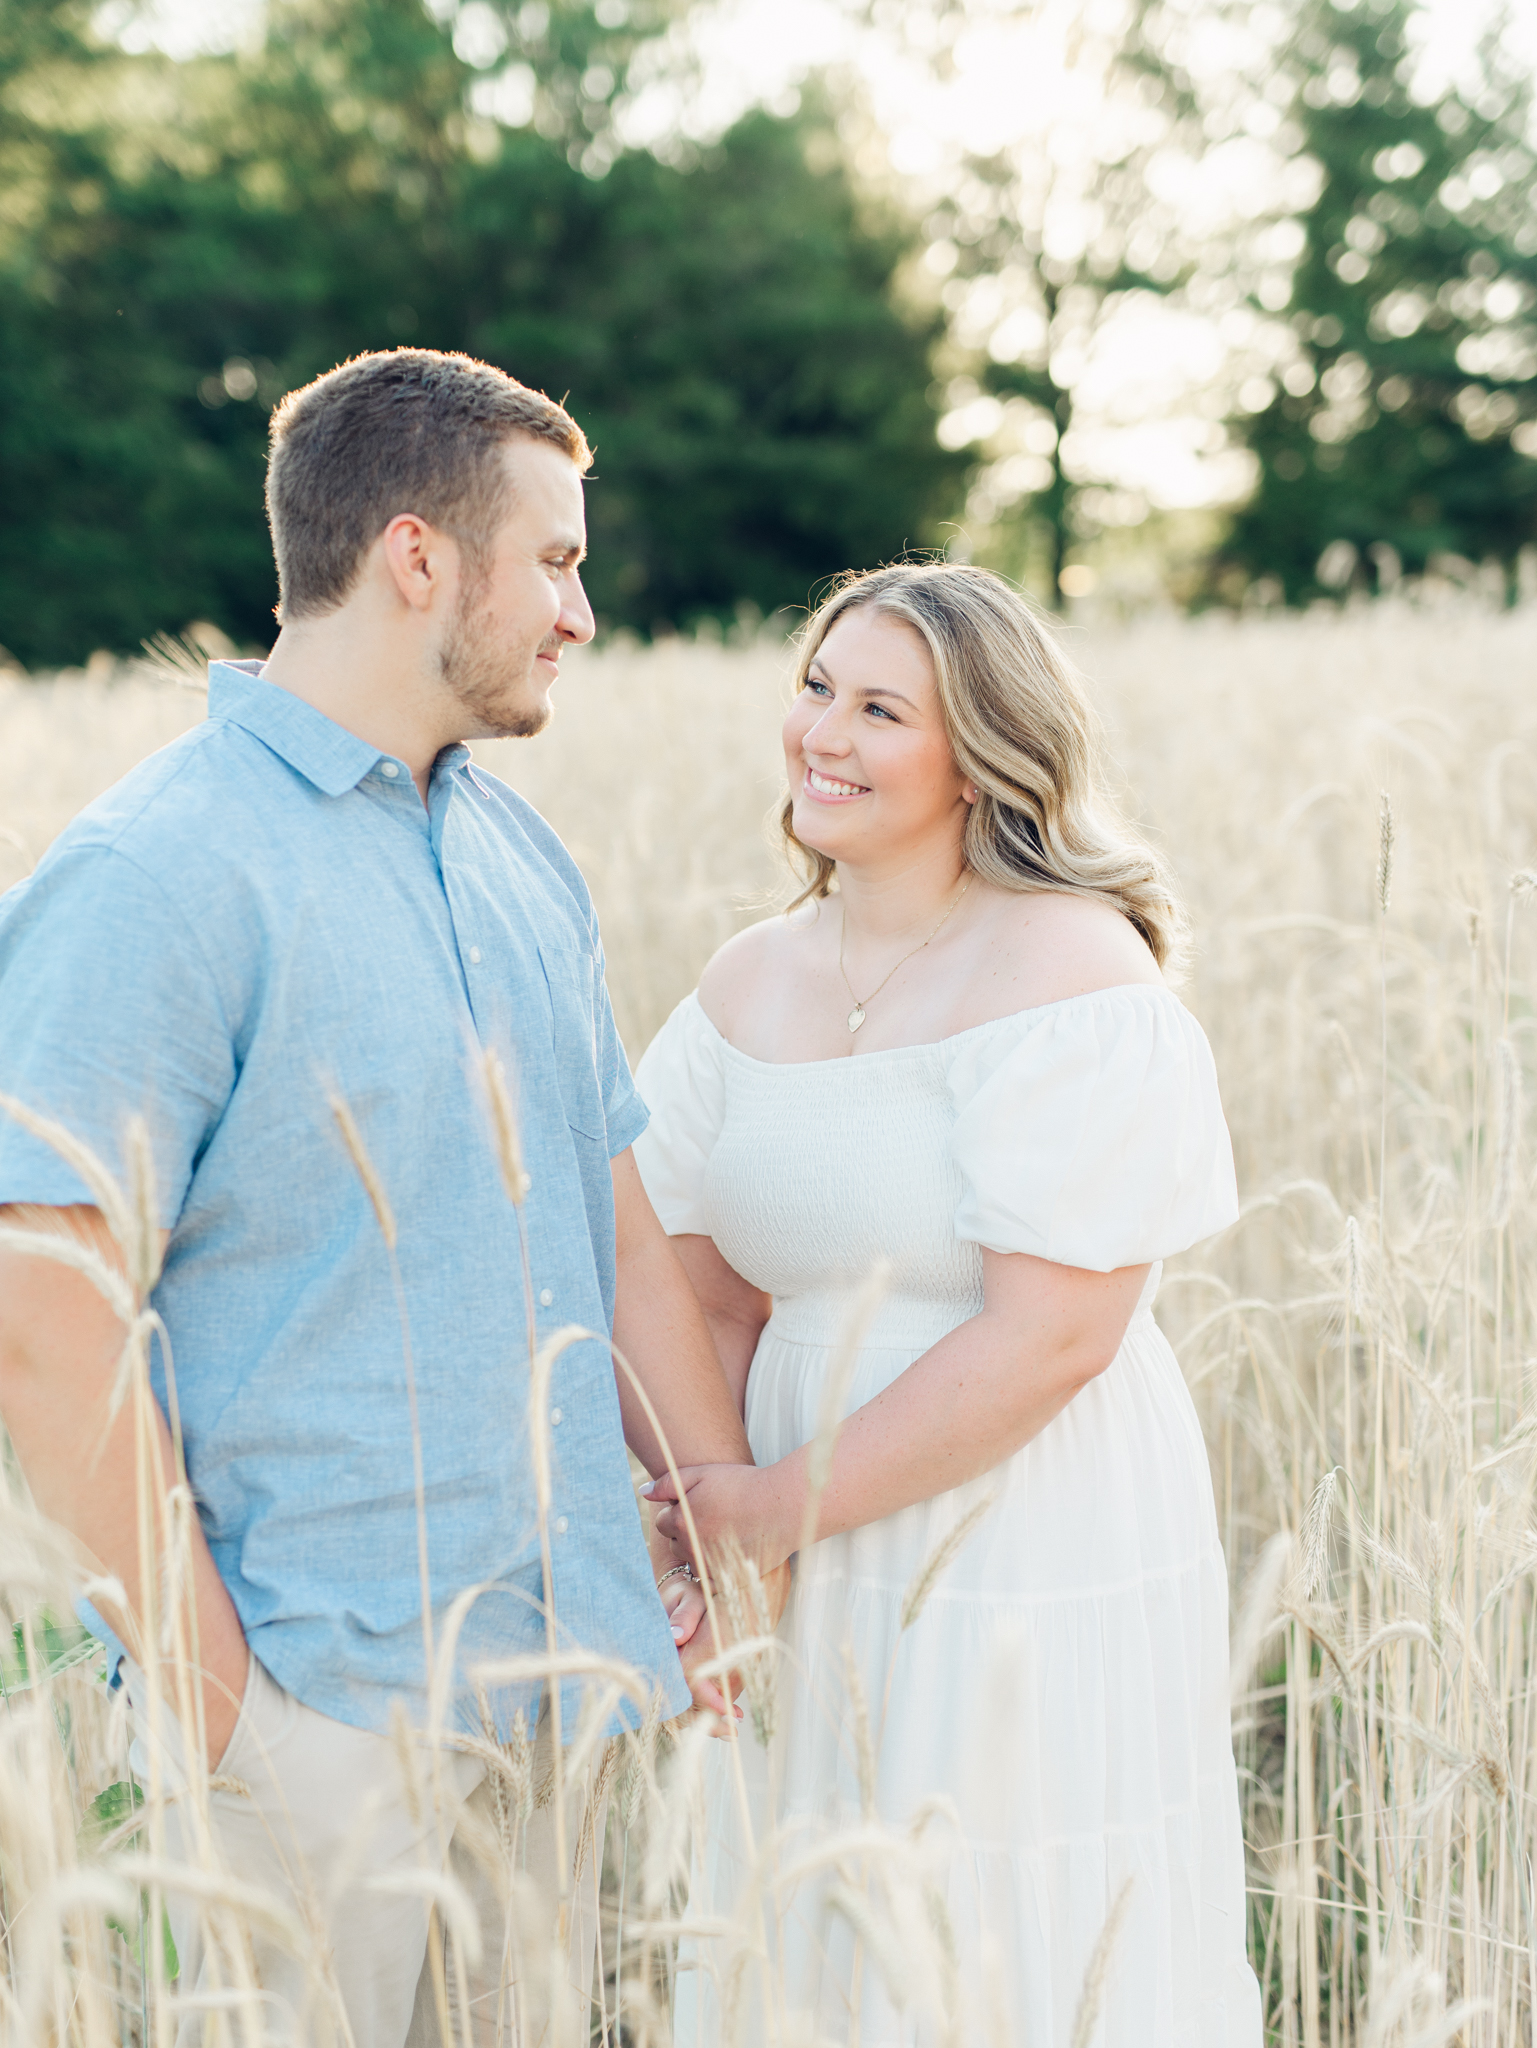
1155 379
753 41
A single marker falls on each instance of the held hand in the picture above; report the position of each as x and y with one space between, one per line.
759 1505
696 1641
709 1694
684 1601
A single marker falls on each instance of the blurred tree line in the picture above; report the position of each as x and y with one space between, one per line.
182 242
1405 431
1387 288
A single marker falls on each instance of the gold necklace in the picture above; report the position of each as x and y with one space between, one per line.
857 1014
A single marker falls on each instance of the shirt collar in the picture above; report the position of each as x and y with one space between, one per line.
319 749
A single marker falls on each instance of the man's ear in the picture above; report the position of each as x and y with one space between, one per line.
419 559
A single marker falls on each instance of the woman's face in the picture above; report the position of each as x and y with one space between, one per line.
865 749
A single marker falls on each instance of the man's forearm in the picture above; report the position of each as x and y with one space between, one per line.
660 1330
59 1349
734 1310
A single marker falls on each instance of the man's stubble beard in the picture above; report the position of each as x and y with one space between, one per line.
484 675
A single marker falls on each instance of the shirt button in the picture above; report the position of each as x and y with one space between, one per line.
545 1297
554 1418
390 769
561 1525
474 956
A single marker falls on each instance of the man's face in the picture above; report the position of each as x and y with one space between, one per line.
503 641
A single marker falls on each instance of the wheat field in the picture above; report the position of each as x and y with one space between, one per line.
1349 802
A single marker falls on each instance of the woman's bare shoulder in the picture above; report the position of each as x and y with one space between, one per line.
1048 947
754 959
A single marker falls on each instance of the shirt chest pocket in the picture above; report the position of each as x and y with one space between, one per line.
570 976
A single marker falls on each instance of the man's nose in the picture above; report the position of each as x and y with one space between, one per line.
576 623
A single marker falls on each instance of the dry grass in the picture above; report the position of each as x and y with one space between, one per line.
1362 1345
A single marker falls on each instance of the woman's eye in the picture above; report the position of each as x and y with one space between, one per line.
879 711
820 688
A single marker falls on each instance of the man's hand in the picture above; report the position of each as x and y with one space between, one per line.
59 1348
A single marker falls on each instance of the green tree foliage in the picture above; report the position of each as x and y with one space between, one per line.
185 242
1406 431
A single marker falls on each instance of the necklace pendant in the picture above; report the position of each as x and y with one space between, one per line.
856 1016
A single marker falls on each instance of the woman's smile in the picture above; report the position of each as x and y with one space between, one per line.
829 789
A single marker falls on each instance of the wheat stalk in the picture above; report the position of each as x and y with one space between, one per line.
864 1742
1097 1976
1508 1132
1354 1283
748 1623
104 1189
1314 1545
939 1559
367 1172
861 1312
504 1128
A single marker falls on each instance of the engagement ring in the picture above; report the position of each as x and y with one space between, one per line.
684 1570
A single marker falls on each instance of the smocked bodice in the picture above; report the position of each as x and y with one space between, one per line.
1088 1132
823 1172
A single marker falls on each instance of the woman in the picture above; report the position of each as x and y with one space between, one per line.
956 1057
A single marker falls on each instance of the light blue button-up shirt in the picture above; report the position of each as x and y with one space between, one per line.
261 914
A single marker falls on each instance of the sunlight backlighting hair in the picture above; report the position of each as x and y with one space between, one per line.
1021 728
403 430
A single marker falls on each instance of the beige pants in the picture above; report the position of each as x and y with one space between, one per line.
338 1887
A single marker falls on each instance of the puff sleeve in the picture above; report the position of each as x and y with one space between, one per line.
1091 1132
682 1081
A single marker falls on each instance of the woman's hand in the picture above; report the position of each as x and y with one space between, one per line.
684 1600
713 1697
762 1506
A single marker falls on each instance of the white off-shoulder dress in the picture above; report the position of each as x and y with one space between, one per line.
1051 1735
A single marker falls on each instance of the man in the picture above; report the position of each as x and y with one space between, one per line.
313 919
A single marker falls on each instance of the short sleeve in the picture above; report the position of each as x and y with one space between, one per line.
683 1082
108 1009
624 1112
1091 1133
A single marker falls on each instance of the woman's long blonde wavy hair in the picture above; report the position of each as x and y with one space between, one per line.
1020 728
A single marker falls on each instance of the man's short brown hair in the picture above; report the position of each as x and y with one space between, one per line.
404 430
